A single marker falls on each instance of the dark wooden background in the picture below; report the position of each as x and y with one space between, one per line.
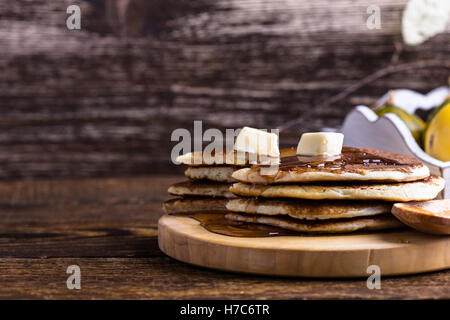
103 100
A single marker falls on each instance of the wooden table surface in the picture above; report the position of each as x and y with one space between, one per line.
108 227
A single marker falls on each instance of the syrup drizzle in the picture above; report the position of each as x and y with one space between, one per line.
217 223
351 159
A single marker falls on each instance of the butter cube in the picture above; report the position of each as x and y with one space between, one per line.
320 144
258 142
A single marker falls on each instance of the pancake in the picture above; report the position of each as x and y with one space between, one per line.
200 158
213 173
194 204
233 158
354 164
381 222
426 189
309 209
201 188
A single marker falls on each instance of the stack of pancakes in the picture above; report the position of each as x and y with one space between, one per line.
350 192
209 182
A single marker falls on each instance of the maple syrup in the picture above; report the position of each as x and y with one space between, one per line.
350 160
217 223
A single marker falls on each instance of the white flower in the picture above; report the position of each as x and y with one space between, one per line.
423 19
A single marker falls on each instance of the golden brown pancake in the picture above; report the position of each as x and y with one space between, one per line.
233 158
202 188
426 189
381 222
213 173
309 209
194 204
354 164
199 158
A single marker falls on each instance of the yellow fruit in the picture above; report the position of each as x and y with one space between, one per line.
413 122
437 134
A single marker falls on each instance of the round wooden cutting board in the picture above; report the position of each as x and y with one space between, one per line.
330 256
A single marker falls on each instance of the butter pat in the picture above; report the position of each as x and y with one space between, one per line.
257 142
320 144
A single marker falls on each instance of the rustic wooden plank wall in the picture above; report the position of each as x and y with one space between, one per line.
103 100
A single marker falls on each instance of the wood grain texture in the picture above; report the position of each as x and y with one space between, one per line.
420 217
81 218
108 228
104 100
341 256
165 278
